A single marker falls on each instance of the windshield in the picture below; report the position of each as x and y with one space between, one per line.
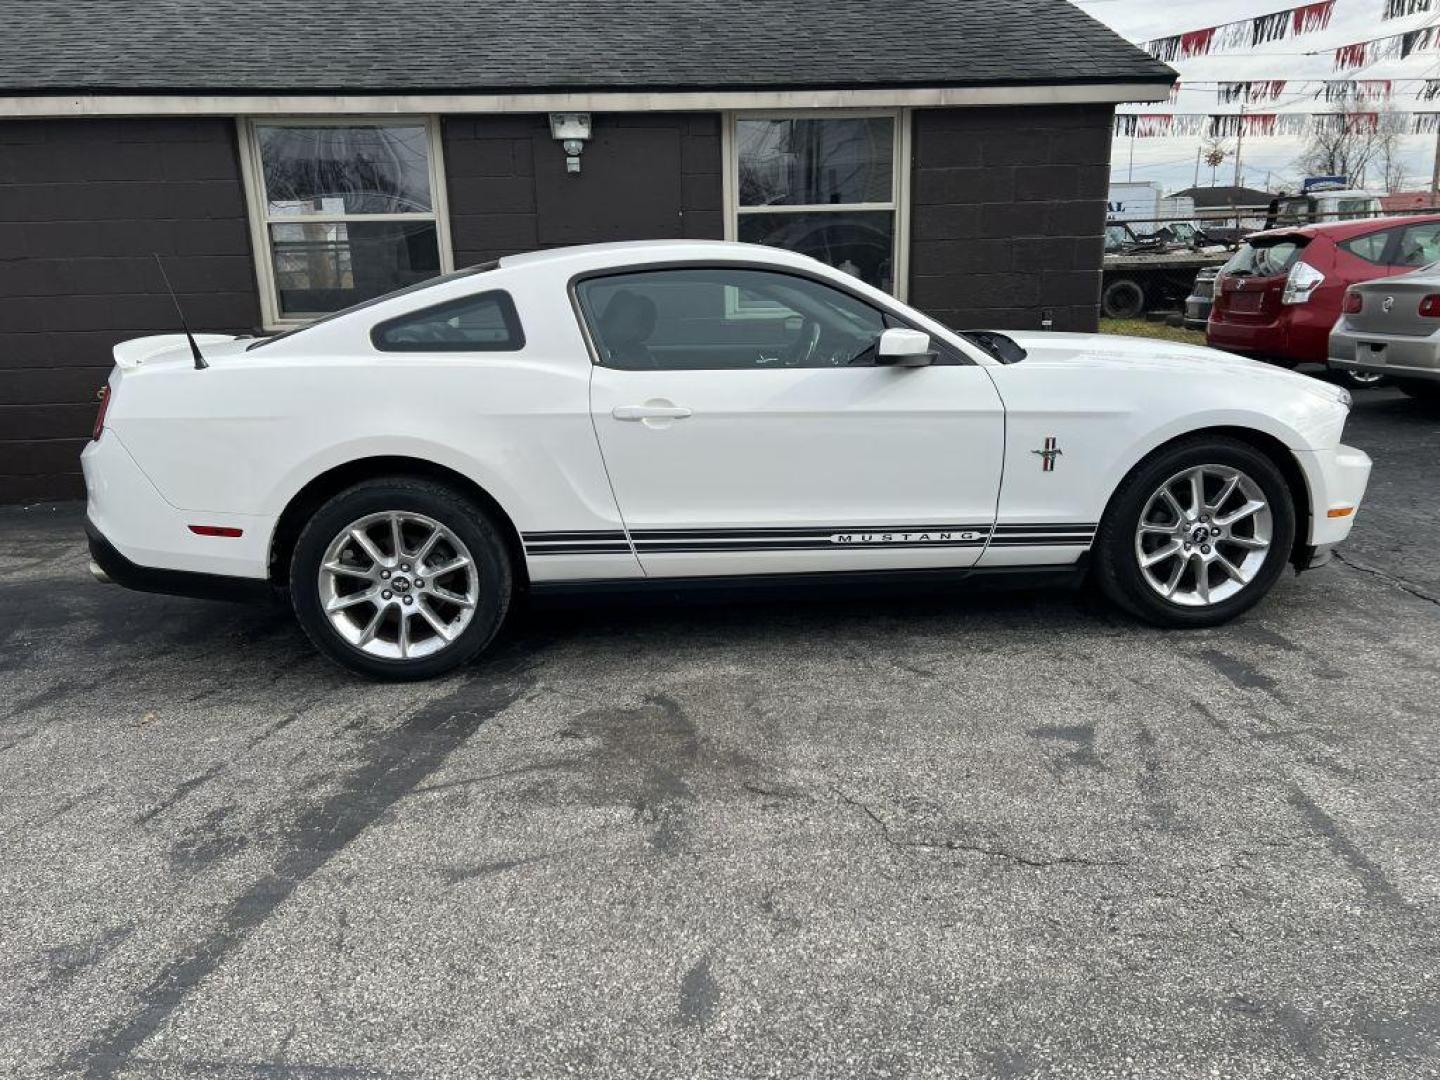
479 268
1264 258
1295 210
1117 237
1355 208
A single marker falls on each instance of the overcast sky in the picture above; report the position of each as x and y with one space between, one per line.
1171 161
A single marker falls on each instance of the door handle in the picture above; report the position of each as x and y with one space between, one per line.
649 412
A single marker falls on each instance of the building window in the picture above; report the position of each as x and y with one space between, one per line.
342 212
829 185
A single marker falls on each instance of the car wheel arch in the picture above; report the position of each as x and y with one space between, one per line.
1272 447
339 477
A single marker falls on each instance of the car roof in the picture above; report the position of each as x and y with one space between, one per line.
639 251
1343 230
1333 193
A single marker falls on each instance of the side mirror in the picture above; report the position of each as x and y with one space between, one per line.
904 348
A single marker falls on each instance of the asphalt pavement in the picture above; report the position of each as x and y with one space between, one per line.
983 836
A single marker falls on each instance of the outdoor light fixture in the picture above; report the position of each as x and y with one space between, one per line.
571 130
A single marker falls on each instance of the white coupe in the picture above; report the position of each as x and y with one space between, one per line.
656 412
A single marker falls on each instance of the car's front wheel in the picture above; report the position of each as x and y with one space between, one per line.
1196 534
400 578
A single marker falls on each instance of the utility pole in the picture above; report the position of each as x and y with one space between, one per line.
1130 174
1201 149
1435 173
1239 143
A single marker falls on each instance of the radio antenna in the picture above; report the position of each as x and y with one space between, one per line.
200 364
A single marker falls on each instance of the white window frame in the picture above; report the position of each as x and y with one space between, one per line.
899 202
260 219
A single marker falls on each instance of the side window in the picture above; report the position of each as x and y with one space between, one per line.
726 319
1370 247
1419 245
483 323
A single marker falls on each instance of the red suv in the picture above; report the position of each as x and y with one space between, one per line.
1280 294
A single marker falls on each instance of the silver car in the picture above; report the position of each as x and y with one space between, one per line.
1391 326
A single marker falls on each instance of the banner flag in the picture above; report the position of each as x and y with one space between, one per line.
1246 33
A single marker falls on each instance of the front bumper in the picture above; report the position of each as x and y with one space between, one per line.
1337 480
1407 357
1311 557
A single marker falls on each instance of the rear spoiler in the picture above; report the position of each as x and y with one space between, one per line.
131 354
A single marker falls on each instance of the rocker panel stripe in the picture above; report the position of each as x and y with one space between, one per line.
800 538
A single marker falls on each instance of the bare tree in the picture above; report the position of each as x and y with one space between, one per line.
1214 152
1392 163
1354 139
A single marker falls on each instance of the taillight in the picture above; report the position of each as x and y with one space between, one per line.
1353 303
1430 306
104 395
1302 280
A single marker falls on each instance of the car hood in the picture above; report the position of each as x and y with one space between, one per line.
1112 352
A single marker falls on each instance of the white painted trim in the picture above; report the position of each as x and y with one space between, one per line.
299 104
899 203
904 167
729 177
253 181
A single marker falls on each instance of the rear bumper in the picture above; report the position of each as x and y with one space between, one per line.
118 569
128 510
1298 333
1385 354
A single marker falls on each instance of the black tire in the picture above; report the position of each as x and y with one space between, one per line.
1116 567
1122 299
406 495
1421 390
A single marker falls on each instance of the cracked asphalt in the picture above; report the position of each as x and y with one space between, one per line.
993 836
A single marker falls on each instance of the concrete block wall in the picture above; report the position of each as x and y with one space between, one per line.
643 176
1007 215
83 204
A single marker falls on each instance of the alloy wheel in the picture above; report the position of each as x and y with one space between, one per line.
1203 535
398 585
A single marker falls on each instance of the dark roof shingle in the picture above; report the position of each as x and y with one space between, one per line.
1223 195
488 46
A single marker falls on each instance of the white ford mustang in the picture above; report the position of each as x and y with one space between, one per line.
650 412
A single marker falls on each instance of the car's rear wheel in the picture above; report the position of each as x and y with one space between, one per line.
1196 534
1358 380
400 578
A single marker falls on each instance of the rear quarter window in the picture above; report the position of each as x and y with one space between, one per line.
1370 247
487 322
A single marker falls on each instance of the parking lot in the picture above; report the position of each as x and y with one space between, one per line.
991 836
